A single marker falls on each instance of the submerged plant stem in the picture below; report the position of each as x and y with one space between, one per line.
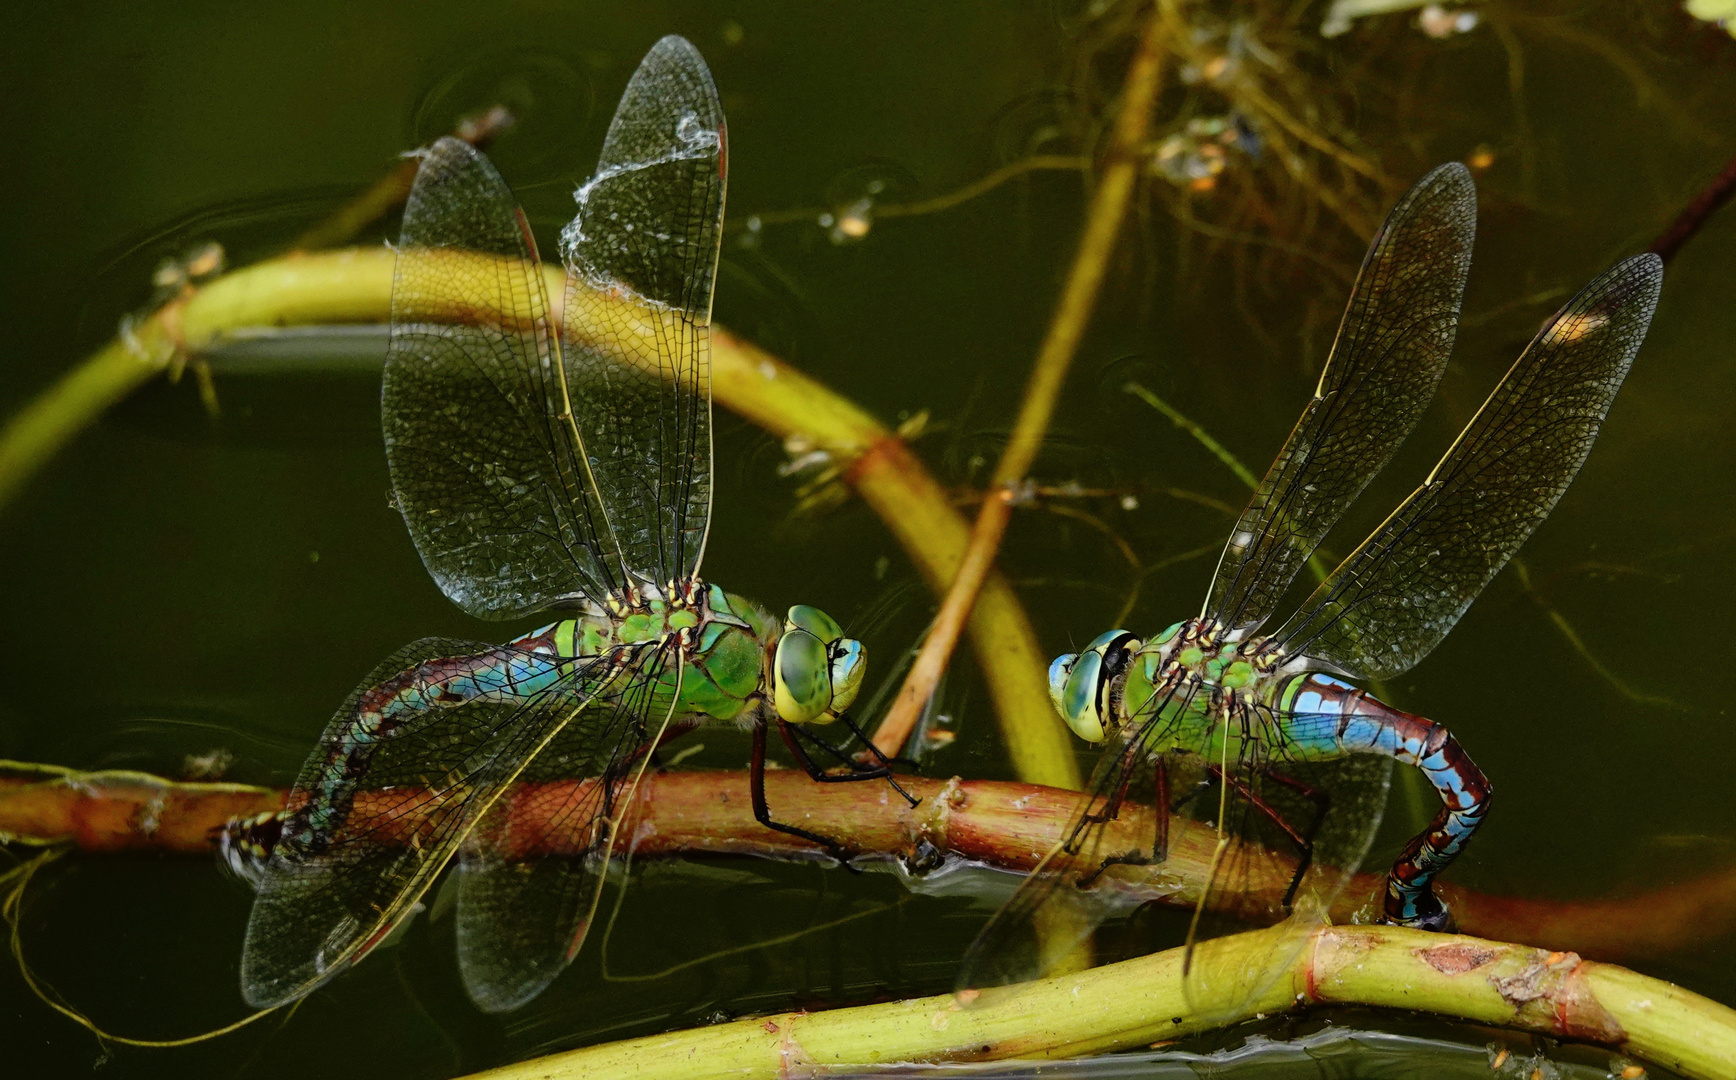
1103 223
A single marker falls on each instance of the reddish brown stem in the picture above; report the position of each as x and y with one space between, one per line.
1688 222
1002 824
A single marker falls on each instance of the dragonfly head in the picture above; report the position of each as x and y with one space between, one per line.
816 670
1082 685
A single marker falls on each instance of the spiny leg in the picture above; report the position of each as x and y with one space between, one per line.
1112 806
1160 829
1304 842
763 815
858 769
874 751
1322 803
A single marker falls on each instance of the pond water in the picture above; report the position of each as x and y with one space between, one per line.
177 584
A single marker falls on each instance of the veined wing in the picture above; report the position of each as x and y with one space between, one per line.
1229 853
532 872
1049 919
489 477
1390 351
641 258
372 820
1398 594
1277 805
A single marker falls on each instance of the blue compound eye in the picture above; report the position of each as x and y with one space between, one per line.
1080 684
849 664
1059 671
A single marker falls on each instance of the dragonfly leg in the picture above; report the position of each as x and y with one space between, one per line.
762 813
888 762
1160 811
1304 840
1322 803
1112 805
884 769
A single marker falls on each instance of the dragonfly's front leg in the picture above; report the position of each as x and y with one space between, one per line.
1368 726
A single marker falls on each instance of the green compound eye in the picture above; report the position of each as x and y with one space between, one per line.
815 622
1078 684
849 664
1080 696
801 677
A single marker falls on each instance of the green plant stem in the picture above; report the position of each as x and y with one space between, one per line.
355 286
1067 327
1141 1002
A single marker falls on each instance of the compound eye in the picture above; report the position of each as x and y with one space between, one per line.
849 664
801 677
1081 698
815 622
1059 670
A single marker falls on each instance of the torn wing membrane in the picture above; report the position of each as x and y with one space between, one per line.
532 872
1398 594
369 826
489 477
1391 349
641 259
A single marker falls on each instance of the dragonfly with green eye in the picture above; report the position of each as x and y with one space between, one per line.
541 465
1248 747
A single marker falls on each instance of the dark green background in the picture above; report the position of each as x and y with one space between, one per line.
173 584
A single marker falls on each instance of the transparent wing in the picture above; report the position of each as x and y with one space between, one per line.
369 824
532 872
641 257
489 476
1398 594
1044 927
1275 806
1390 351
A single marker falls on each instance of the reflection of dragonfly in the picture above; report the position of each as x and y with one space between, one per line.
540 465
1294 759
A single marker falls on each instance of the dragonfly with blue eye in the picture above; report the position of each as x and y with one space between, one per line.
542 464
1251 746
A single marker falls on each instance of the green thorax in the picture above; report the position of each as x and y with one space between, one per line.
724 666
1204 683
